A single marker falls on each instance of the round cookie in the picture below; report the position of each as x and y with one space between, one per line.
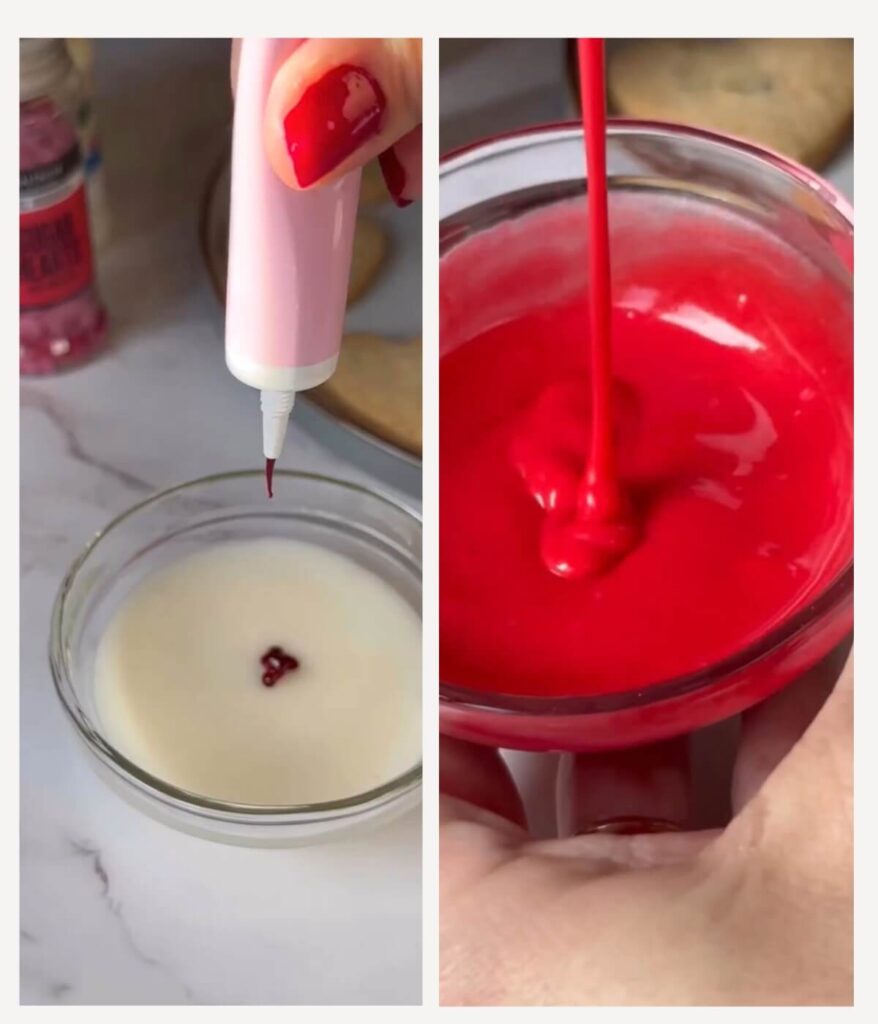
792 95
377 385
373 191
369 252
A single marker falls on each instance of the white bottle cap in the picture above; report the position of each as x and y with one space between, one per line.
276 409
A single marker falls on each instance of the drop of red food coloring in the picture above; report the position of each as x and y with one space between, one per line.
276 664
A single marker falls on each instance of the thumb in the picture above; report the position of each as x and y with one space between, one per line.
476 777
337 103
800 821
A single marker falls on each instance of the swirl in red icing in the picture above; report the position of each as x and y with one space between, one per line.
547 448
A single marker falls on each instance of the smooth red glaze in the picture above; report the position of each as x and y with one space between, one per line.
691 501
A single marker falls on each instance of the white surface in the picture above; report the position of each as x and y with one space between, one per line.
491 86
116 908
177 675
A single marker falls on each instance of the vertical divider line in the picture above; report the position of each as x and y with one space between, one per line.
430 470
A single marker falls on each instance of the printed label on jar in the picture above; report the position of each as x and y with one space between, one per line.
56 259
34 179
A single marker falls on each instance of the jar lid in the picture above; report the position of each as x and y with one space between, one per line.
41 63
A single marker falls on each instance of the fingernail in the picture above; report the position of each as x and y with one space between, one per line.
394 176
333 118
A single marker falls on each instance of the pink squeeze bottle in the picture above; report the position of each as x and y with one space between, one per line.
289 259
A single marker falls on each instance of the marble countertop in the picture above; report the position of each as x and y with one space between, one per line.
117 908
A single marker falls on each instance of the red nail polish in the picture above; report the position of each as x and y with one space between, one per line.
334 117
394 176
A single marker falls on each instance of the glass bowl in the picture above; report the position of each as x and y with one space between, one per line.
372 529
500 179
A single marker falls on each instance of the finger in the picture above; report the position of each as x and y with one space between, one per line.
791 846
771 729
644 789
713 752
607 852
401 166
337 103
800 820
481 819
476 776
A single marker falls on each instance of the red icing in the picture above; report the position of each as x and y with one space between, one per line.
277 663
688 498
732 415
588 533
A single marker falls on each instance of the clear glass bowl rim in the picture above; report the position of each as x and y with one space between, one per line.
181 799
459 157
836 592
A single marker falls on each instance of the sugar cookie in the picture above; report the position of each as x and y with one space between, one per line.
792 95
370 250
373 191
377 385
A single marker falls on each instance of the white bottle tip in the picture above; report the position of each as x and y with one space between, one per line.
276 409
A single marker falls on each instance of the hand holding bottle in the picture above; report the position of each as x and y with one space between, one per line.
336 104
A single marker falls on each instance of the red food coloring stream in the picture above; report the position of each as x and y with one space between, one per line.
590 523
277 663
269 476
602 528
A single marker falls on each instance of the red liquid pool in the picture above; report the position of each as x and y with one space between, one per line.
732 419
